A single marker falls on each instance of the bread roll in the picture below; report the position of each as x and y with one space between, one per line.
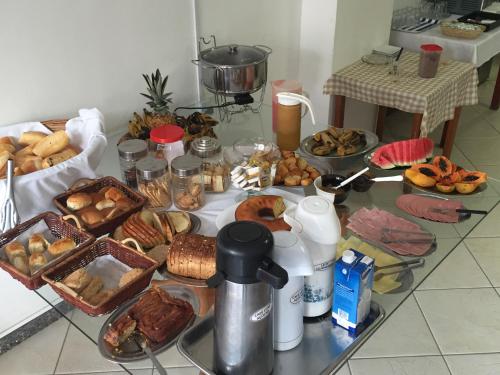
21 264
31 164
4 156
92 289
91 216
18 171
60 157
61 246
7 141
77 280
114 194
37 243
78 201
105 203
31 137
28 150
129 276
14 249
36 261
7 147
51 144
124 204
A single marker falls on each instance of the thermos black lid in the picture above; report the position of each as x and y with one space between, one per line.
242 255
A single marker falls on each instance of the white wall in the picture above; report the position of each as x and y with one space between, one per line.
361 25
57 56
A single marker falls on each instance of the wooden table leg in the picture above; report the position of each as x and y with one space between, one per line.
380 121
443 134
417 122
495 100
339 111
451 130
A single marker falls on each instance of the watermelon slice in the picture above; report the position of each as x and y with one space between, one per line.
403 153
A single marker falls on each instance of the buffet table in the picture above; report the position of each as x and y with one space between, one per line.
476 51
325 348
432 101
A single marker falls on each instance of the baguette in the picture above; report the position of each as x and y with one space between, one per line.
51 144
60 157
31 137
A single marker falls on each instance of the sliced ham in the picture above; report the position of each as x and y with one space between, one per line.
390 231
428 208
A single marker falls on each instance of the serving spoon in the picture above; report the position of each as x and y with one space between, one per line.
352 178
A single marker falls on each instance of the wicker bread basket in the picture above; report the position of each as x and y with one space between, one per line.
448 30
60 229
94 186
103 246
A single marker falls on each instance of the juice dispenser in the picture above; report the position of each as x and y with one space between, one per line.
289 117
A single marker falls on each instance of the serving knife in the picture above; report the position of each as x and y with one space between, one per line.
459 210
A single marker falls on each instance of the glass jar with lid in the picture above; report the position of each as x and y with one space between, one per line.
165 142
129 153
215 169
187 182
153 182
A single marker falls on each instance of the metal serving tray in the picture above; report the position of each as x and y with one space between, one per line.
323 350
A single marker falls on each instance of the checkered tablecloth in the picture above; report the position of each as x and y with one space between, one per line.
455 85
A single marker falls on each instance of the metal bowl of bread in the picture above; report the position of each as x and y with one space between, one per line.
341 148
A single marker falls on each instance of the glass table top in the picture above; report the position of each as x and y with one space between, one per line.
381 195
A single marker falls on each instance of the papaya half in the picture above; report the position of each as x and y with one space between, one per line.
474 177
427 169
444 165
444 188
465 187
419 179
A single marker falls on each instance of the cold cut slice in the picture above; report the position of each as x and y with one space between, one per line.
430 208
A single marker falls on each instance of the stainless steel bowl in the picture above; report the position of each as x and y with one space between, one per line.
336 162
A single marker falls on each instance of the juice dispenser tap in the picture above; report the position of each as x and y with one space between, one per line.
244 281
289 117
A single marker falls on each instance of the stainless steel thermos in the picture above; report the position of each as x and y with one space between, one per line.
245 278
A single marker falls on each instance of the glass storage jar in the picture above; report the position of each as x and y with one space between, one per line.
129 153
215 169
165 142
187 182
153 182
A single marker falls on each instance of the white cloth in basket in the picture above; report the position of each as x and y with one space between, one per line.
34 192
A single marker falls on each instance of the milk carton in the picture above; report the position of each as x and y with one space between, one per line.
352 291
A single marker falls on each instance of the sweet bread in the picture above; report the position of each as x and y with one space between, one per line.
114 194
14 249
100 297
36 261
258 208
92 288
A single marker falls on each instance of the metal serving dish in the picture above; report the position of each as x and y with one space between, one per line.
129 351
323 350
340 162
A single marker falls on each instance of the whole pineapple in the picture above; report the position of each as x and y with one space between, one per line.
159 101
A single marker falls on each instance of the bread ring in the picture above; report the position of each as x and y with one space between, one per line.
257 208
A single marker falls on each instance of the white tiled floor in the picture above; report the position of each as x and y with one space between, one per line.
450 325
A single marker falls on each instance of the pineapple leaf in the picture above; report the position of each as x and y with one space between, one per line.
164 84
147 96
146 77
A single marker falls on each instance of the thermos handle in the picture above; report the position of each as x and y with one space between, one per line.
301 98
272 273
215 280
